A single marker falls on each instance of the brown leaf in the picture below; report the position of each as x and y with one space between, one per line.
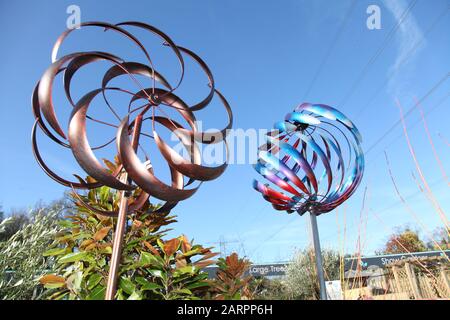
117 160
76 218
151 248
232 260
91 246
209 255
204 263
110 165
105 220
51 278
180 262
85 243
185 244
100 234
136 224
171 246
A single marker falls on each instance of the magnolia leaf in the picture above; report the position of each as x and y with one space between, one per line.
185 244
86 242
171 246
52 281
147 285
101 234
158 273
160 244
135 296
184 270
127 285
136 224
98 293
93 280
180 262
147 259
104 194
74 281
151 248
191 252
54 252
109 164
75 256
209 255
106 249
91 246
198 284
203 263
183 290
66 224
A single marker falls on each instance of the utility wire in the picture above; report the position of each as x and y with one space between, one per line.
377 54
394 204
378 141
430 110
330 49
406 57
271 236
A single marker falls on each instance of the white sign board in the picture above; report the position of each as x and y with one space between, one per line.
334 290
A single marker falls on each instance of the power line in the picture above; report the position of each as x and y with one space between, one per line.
395 204
406 57
330 49
223 245
271 236
377 53
441 101
440 82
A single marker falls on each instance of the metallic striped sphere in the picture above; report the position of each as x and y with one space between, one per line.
313 160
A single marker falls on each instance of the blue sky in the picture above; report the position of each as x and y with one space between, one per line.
264 55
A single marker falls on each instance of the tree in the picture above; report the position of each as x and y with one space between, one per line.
441 236
403 241
269 289
301 276
16 219
21 259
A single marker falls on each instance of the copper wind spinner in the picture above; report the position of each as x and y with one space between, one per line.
132 172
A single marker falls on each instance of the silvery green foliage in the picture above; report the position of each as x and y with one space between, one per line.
21 260
301 277
13 223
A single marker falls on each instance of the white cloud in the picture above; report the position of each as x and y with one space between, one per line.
408 36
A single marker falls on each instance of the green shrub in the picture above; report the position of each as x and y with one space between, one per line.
21 259
301 277
232 280
151 268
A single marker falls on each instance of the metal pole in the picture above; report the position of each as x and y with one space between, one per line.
121 224
117 247
318 255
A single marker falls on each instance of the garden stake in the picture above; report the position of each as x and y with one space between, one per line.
303 158
318 255
121 226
